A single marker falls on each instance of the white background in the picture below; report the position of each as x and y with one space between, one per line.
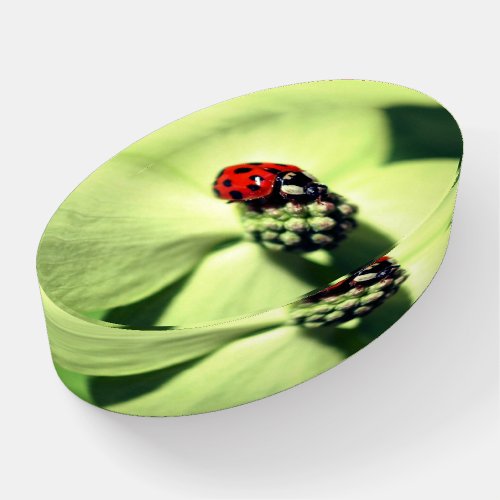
412 416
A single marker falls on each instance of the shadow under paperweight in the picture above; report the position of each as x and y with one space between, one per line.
249 246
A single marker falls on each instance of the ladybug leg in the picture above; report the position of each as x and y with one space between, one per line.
322 198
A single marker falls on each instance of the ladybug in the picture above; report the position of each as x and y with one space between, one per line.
384 267
258 181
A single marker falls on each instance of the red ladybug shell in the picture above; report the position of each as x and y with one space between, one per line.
249 181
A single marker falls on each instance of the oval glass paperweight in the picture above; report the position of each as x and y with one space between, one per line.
248 247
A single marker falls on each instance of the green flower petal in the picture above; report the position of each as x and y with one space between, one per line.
327 127
242 371
119 237
239 280
327 144
423 132
91 348
398 198
356 93
252 368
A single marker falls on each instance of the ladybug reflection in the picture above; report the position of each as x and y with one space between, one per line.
383 267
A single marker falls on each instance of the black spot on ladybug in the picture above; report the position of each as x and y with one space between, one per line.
273 170
255 163
236 195
242 170
253 187
227 182
216 191
257 178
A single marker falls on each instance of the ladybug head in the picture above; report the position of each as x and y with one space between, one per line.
301 185
315 190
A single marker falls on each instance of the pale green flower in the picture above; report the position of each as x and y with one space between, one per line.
152 289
